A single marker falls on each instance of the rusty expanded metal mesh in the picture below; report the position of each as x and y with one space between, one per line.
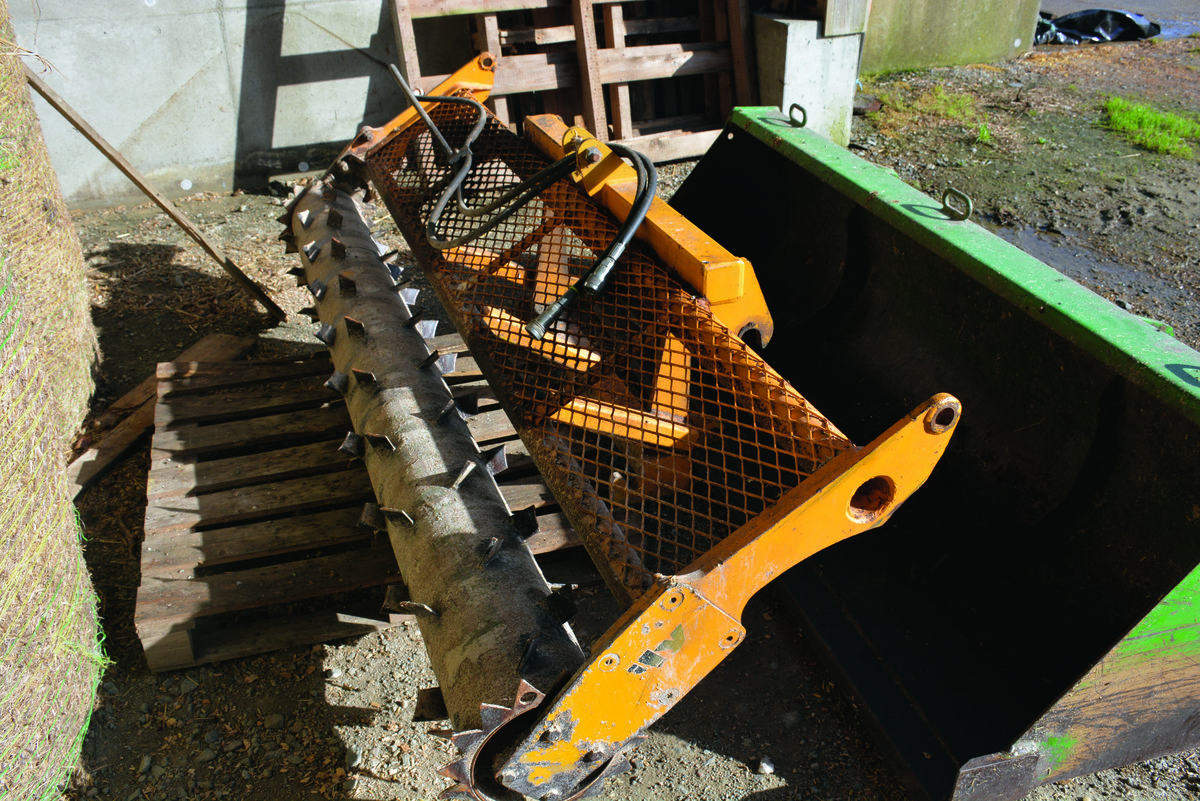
659 431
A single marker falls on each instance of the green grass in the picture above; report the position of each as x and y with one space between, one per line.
983 136
1157 131
951 105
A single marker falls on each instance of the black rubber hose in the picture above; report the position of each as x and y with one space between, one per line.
597 277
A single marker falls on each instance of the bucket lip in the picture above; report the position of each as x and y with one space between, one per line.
1130 345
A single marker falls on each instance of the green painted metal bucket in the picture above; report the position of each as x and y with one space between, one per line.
1032 613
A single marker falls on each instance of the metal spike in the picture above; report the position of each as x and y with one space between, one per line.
457 771
467 468
339 382
380 441
524 523
354 328
393 596
451 408
447 363
327 334
328 193
346 284
334 219
385 256
395 270
420 610
427 328
527 654
467 401
397 515
352 445
364 378
371 518
336 248
312 250
431 705
305 217
317 288
560 604
414 318
495 544
496 460
467 740
493 716
297 193
409 295
445 734
429 360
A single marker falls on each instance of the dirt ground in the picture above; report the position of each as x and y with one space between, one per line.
334 720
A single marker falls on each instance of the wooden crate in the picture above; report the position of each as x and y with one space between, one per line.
252 536
659 77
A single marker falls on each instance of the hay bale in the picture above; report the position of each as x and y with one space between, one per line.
49 646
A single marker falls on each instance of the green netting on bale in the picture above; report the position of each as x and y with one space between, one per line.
50 656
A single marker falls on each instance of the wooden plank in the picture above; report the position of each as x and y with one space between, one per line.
556 34
137 409
618 93
741 46
181 377
164 603
231 642
662 61
554 534
175 554
644 27
421 9
139 180
672 147
489 427
213 348
259 501
168 476
406 42
526 492
489 30
724 82
196 439
591 84
214 407
448 343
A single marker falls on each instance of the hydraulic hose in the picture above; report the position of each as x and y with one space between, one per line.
597 277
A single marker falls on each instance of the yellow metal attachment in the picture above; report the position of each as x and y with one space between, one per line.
726 281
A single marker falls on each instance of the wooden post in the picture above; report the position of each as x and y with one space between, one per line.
618 93
589 67
406 43
489 34
111 153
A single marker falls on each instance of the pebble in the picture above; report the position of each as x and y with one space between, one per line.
147 762
188 684
110 687
765 766
273 721
207 755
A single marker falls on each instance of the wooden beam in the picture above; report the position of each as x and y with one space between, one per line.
422 9
741 45
489 32
122 164
618 93
406 42
538 72
591 84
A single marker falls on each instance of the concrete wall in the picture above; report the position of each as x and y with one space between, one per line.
216 94
908 34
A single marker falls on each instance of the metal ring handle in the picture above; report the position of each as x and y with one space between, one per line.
956 214
803 115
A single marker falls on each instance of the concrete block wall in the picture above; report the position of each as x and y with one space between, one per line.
216 94
910 34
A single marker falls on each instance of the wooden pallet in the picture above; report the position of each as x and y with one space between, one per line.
252 536
616 66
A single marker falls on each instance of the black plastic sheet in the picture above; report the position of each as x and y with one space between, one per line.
1094 25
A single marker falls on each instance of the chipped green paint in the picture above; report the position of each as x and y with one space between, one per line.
1172 626
673 644
1058 750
